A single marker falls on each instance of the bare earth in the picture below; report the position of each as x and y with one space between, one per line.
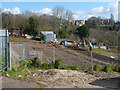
65 79
62 78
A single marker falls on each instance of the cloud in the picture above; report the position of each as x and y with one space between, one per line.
113 8
99 11
75 16
44 11
6 10
87 16
80 12
14 10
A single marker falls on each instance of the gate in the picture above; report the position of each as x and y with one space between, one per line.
4 49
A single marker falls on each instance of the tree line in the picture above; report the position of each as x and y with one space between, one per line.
95 28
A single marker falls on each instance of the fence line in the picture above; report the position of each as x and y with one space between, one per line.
27 51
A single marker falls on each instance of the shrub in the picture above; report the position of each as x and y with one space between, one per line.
84 68
10 72
51 66
13 69
23 64
106 68
96 67
29 64
45 65
73 67
36 62
89 68
66 67
58 64
117 68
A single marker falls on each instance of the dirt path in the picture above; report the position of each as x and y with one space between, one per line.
11 83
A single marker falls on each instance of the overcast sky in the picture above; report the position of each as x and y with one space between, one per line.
81 10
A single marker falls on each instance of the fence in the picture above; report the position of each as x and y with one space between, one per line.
27 51
4 49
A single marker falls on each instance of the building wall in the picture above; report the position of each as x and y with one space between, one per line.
50 37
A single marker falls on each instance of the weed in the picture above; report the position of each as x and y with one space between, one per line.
74 67
66 67
58 64
45 66
96 67
51 66
106 68
13 69
29 64
116 68
36 62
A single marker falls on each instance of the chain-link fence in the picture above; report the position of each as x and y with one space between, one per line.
28 51
4 49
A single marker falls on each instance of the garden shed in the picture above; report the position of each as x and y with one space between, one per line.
49 35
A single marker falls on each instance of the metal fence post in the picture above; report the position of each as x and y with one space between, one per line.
23 51
10 57
6 50
91 59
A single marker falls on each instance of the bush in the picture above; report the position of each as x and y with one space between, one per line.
106 68
23 64
45 66
51 66
29 64
36 62
58 64
66 67
73 67
96 67
117 68
13 69
84 68
10 72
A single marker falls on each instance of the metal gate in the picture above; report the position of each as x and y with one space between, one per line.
4 50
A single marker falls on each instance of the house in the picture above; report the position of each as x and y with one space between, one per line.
78 22
49 35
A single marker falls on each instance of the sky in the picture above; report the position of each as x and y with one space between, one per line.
81 10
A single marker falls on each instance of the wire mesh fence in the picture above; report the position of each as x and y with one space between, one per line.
4 49
28 51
